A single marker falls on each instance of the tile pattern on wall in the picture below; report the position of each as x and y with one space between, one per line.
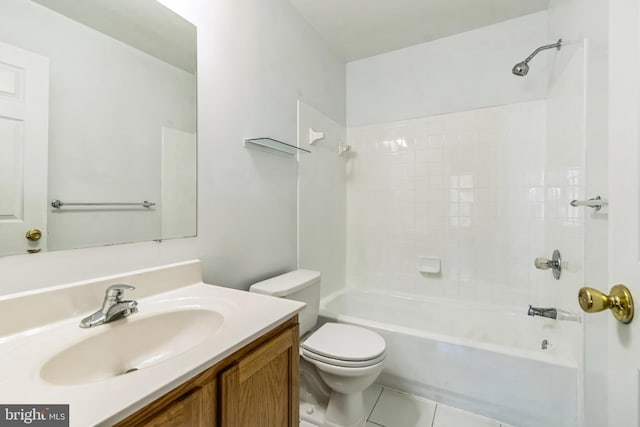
474 188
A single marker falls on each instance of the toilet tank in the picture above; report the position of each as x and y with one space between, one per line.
297 285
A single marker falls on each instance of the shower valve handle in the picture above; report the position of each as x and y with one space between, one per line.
555 264
543 263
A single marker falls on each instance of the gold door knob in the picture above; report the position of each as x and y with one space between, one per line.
619 301
34 234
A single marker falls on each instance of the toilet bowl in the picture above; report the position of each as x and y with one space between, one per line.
347 358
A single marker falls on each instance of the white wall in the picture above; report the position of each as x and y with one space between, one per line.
458 73
255 59
262 57
322 199
109 102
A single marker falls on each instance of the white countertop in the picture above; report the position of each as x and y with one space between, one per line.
24 352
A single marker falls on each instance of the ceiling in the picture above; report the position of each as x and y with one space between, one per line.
144 24
361 28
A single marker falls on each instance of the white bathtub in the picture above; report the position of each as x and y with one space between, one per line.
481 358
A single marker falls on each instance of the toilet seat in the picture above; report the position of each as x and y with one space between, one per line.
314 357
344 345
342 374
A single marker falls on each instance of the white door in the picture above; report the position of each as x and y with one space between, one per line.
624 211
24 118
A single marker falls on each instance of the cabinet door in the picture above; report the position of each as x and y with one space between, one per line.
183 407
183 412
262 389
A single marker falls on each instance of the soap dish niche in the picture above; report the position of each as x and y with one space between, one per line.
429 264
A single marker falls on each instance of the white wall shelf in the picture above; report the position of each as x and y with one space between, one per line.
274 144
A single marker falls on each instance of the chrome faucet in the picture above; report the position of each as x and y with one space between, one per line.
113 307
551 313
554 313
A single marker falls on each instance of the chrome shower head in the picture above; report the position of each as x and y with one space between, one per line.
522 68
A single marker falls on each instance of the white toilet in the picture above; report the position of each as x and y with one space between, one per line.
348 358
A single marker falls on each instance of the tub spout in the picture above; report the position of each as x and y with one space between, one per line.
551 313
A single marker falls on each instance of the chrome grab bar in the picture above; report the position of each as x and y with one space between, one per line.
597 203
58 204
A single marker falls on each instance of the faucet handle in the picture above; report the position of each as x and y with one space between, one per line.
555 264
116 291
543 263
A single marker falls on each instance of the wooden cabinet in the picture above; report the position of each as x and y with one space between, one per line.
259 389
188 410
256 386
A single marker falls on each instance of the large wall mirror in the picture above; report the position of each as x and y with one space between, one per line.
97 124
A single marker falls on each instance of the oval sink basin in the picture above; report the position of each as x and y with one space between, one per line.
128 345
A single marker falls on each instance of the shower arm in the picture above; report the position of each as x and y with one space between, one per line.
557 45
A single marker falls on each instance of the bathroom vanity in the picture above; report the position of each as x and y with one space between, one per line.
192 355
256 386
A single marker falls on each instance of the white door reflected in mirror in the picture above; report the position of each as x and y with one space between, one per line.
24 115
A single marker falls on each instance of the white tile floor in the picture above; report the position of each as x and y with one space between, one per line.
386 407
389 408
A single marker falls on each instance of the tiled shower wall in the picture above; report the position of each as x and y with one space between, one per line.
467 187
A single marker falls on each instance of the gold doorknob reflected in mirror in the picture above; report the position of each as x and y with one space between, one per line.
619 301
34 234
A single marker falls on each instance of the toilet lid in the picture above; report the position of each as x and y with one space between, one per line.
345 342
